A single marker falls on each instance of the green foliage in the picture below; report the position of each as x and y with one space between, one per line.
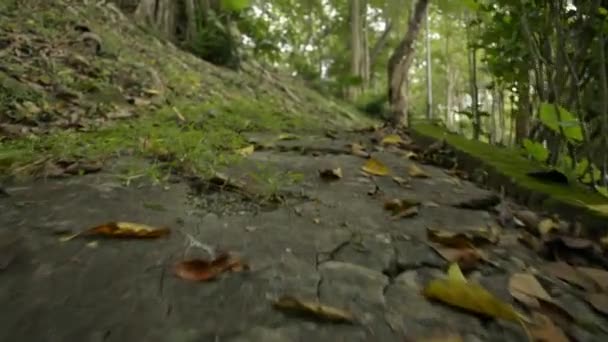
375 105
536 150
215 43
568 122
235 5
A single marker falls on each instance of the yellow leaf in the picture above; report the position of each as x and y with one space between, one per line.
375 167
392 139
469 296
547 226
246 151
320 311
455 274
415 171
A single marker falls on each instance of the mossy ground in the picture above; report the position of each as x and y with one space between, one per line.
182 113
514 164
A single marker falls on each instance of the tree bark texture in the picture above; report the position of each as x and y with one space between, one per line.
398 67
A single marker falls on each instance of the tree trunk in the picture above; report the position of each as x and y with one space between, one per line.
398 67
522 119
501 115
429 80
355 46
472 58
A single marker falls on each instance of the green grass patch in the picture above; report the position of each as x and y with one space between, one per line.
514 164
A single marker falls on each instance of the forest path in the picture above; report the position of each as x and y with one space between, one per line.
331 241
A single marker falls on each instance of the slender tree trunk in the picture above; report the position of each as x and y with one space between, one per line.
603 104
398 67
522 119
429 81
473 87
355 46
501 115
365 62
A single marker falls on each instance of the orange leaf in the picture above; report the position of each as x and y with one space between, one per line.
127 230
204 270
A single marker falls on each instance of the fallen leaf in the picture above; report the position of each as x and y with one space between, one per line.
599 301
415 171
246 151
391 139
126 230
430 204
331 174
599 276
567 273
375 167
409 212
546 331
473 237
467 258
455 273
315 309
401 181
358 150
287 136
547 226
525 288
469 296
204 270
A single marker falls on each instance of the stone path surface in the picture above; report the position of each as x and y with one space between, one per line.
326 241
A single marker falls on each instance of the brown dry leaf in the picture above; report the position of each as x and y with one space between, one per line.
318 310
448 238
525 288
474 237
375 167
467 258
567 273
415 171
204 270
409 212
599 276
126 230
599 301
547 226
331 174
402 208
358 150
246 151
469 296
546 331
392 139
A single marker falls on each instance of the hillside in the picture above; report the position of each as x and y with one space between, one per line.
103 86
